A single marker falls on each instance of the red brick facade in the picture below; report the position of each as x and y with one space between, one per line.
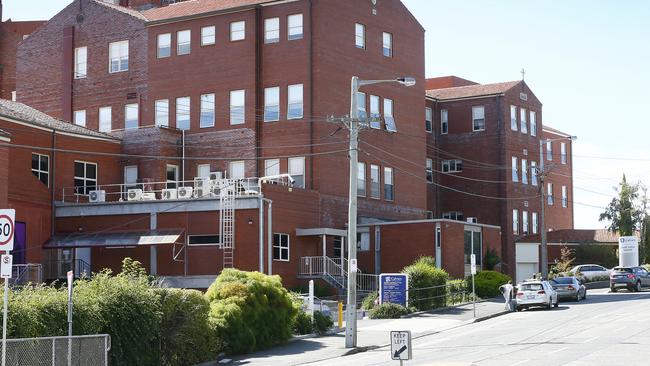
559 215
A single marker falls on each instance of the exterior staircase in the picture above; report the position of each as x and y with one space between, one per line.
334 272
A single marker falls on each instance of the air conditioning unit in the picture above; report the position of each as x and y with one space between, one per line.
149 196
202 187
169 194
472 220
97 196
184 193
134 195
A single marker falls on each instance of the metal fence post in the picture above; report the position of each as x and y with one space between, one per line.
53 352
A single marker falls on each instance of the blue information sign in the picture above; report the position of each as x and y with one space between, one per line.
392 288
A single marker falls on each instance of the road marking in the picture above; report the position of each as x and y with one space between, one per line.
560 350
590 339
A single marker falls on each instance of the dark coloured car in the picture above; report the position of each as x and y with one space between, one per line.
630 278
569 288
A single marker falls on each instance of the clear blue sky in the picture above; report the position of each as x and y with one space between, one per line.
586 60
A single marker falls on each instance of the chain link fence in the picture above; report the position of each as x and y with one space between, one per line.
83 350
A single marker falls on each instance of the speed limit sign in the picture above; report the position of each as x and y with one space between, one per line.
7 229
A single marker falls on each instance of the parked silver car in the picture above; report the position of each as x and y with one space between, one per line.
536 293
569 288
590 271
632 278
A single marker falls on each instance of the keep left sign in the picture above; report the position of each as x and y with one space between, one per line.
7 229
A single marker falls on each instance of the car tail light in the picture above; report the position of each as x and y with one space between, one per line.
630 276
541 292
570 287
520 294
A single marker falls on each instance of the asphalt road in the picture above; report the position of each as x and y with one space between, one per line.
606 329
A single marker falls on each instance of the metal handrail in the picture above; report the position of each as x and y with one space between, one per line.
26 273
57 269
335 270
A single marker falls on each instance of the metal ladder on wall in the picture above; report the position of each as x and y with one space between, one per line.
227 221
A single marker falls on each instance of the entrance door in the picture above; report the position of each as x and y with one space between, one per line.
20 240
473 245
438 246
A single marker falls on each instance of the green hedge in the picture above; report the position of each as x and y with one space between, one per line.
422 276
487 283
368 302
388 311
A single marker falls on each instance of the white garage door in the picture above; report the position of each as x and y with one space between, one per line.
525 271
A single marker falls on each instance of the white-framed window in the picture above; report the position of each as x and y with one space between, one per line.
524 120
524 171
203 171
534 222
237 31
41 168
565 197
272 30
281 247
130 177
524 222
118 56
13 95
271 167
513 118
162 112
444 122
387 41
85 177
389 121
563 153
515 169
361 106
375 113
184 42
297 171
389 185
360 35
549 151
207 110
131 116
203 240
183 113
428 119
533 173
478 118
453 215
172 176
294 27
295 101
208 35
452 166
374 182
237 169
515 221
549 193
533 123
164 45
79 118
105 119
237 107
361 179
80 62
429 170
363 241
272 104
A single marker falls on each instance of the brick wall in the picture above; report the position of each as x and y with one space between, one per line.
558 216
4 173
11 34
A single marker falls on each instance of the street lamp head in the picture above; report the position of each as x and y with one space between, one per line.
406 81
573 138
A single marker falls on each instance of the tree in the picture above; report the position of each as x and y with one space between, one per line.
624 212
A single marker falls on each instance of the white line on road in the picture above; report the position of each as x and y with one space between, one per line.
591 339
560 350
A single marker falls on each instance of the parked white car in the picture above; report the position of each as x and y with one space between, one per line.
536 293
590 271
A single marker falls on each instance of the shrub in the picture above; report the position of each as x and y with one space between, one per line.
322 322
250 311
388 311
302 324
319 290
369 301
487 283
491 259
422 276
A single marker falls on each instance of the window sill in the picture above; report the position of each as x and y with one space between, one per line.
208 44
281 260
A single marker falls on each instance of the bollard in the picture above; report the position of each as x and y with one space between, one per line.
340 314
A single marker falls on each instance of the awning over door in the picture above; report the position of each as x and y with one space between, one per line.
121 239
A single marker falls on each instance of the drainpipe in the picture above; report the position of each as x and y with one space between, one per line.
53 186
270 235
261 233
183 158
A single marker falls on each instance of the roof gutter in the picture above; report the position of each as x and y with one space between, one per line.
434 99
60 132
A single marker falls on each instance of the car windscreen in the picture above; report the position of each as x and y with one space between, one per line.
563 280
531 287
623 270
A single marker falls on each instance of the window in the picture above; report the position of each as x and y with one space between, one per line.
361 179
429 170
237 169
271 167
549 151
164 45
183 42
172 176
478 118
105 119
515 170
534 223
388 115
237 31
563 153
533 123
207 111
272 30
565 199
549 193
375 113
389 187
85 177
338 247
374 181
80 62
452 166
294 27
203 171
453 215
272 104
524 171
515 221
363 242
208 35
387 44
513 118
444 122
361 106
183 113
297 171
118 56
533 173
79 118
131 116
524 120
281 247
130 177
294 110
162 112
524 222
41 168
360 36
203 240
13 96
237 106
428 120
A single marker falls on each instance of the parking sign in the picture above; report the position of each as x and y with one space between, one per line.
7 229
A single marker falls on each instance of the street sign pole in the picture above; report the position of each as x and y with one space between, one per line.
4 323
7 233
473 268
70 279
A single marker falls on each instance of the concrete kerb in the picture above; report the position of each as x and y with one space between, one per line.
438 310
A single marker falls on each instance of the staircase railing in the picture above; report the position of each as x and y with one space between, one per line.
26 273
57 269
334 270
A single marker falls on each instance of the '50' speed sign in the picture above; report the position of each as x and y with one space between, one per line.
7 229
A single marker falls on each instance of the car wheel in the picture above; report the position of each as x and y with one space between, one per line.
638 286
613 289
557 302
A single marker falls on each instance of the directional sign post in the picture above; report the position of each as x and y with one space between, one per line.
473 268
400 345
7 231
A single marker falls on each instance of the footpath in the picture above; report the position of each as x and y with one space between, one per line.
371 334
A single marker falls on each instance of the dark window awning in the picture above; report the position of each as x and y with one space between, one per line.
121 239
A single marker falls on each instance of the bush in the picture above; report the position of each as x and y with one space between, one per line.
487 283
423 274
491 259
368 302
302 324
319 290
388 311
322 322
250 311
